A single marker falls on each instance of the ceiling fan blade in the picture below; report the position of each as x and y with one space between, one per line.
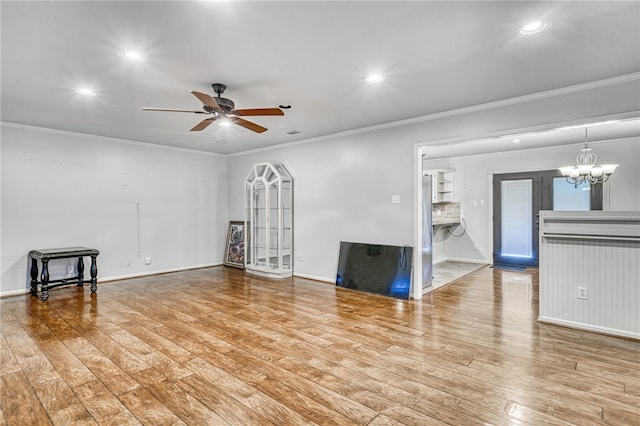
258 111
206 99
173 110
248 124
203 124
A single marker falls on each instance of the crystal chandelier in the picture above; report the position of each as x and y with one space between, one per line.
586 169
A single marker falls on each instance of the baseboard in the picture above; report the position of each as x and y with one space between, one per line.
465 260
120 277
162 271
461 259
590 327
314 278
10 293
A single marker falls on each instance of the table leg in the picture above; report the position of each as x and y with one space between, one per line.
94 274
44 295
80 271
34 277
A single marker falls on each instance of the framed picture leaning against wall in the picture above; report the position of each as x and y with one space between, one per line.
234 250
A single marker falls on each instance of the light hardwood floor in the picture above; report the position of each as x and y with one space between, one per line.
213 346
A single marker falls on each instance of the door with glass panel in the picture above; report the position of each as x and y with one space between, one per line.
517 201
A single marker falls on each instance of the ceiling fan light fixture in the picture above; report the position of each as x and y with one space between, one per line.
85 91
374 78
534 27
225 122
132 55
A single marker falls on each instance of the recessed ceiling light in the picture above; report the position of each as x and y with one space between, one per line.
85 91
534 27
516 140
132 55
374 78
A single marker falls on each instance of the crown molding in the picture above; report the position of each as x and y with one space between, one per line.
99 138
613 81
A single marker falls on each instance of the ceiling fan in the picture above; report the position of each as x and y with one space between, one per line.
223 109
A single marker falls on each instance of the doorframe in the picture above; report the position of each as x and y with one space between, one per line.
461 146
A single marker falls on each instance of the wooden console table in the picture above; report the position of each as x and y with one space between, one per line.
45 255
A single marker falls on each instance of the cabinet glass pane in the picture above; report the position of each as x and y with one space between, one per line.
247 230
270 176
260 226
261 257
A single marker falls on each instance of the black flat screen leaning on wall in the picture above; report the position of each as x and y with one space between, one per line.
376 269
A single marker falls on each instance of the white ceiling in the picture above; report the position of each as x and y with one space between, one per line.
435 56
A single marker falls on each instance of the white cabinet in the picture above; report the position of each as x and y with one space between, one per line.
269 221
442 185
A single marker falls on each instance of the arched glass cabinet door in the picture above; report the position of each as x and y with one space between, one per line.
269 210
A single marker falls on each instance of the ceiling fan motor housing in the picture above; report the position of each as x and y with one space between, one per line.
227 105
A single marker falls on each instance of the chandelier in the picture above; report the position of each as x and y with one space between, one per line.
586 169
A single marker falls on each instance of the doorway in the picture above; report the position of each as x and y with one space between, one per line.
517 201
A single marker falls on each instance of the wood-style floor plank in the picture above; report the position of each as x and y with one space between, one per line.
8 361
218 346
252 398
224 404
62 404
148 409
103 405
19 402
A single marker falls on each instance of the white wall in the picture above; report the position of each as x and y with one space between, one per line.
474 176
343 184
64 189
342 192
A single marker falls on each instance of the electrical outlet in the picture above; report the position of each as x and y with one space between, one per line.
123 263
582 293
475 246
128 264
147 261
70 269
301 258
